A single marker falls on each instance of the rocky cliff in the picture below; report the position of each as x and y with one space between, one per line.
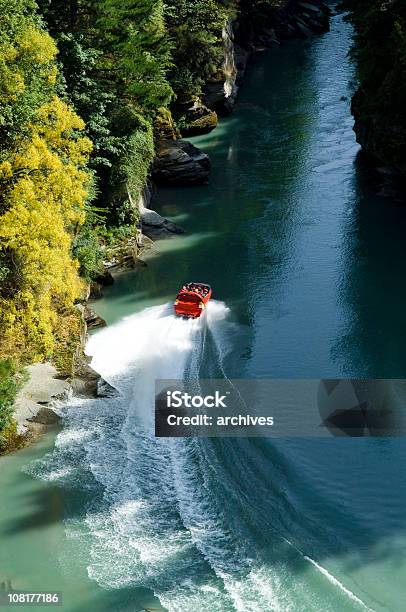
380 131
260 25
256 26
379 103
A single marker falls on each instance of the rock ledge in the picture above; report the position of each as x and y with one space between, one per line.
179 163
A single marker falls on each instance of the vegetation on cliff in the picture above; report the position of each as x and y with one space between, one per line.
380 101
11 379
114 56
123 65
44 186
81 86
197 56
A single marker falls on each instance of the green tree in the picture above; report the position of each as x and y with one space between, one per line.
136 50
195 26
8 390
114 58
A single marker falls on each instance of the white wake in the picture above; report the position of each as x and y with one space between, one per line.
162 509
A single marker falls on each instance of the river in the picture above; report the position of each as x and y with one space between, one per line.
306 259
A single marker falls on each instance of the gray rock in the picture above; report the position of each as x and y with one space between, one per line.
85 379
303 28
268 37
41 389
180 163
157 233
45 416
215 98
154 226
104 389
241 57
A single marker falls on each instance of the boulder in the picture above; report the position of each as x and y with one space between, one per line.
382 135
180 163
92 319
203 125
45 416
85 379
313 17
311 7
268 37
302 27
199 118
104 389
96 291
270 24
34 401
241 57
154 226
215 98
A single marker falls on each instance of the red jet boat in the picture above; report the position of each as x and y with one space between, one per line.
192 299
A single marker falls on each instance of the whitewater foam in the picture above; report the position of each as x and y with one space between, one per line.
137 536
162 516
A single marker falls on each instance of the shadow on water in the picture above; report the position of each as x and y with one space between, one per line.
50 505
372 290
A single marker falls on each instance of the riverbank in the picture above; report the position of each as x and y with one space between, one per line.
37 400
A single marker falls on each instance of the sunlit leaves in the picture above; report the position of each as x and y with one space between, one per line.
44 183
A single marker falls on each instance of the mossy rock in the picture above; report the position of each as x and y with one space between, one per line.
202 125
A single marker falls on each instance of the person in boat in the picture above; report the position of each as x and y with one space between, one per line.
200 289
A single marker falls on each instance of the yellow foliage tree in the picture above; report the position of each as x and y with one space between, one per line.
44 185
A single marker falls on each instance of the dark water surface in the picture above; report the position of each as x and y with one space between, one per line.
307 265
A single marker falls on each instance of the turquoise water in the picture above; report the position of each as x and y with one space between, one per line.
306 261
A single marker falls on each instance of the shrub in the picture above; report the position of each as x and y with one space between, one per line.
86 249
11 379
67 341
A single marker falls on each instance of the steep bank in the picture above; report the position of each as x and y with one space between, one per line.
379 103
252 26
